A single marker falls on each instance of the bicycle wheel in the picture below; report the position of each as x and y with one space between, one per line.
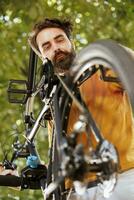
103 72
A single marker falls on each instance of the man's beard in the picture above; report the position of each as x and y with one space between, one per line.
63 61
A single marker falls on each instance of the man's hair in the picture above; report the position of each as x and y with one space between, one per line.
65 25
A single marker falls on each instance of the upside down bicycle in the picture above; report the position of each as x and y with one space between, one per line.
68 157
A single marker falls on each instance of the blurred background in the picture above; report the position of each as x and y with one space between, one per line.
92 19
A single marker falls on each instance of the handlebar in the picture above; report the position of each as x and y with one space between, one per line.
22 182
10 180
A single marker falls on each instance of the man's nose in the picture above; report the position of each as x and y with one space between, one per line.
55 48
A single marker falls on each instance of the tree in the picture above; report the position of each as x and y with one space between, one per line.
93 19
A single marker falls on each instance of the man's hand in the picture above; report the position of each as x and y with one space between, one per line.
4 171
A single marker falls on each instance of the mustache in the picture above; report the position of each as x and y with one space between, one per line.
60 53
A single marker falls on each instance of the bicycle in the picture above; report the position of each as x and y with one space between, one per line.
68 159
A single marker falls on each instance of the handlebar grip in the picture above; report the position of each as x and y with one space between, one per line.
10 181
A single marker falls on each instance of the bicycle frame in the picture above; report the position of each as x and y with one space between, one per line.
52 101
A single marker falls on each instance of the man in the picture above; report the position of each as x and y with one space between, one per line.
57 46
51 39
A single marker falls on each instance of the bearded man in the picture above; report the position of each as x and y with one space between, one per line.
51 39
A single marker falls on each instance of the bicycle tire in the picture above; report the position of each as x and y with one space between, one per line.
106 53
119 58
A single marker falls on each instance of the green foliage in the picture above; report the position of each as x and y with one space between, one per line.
92 19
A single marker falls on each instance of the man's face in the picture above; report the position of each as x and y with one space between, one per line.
54 44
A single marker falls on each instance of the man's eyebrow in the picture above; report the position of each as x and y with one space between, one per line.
58 36
45 43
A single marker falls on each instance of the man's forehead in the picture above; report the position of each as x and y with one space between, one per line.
50 33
